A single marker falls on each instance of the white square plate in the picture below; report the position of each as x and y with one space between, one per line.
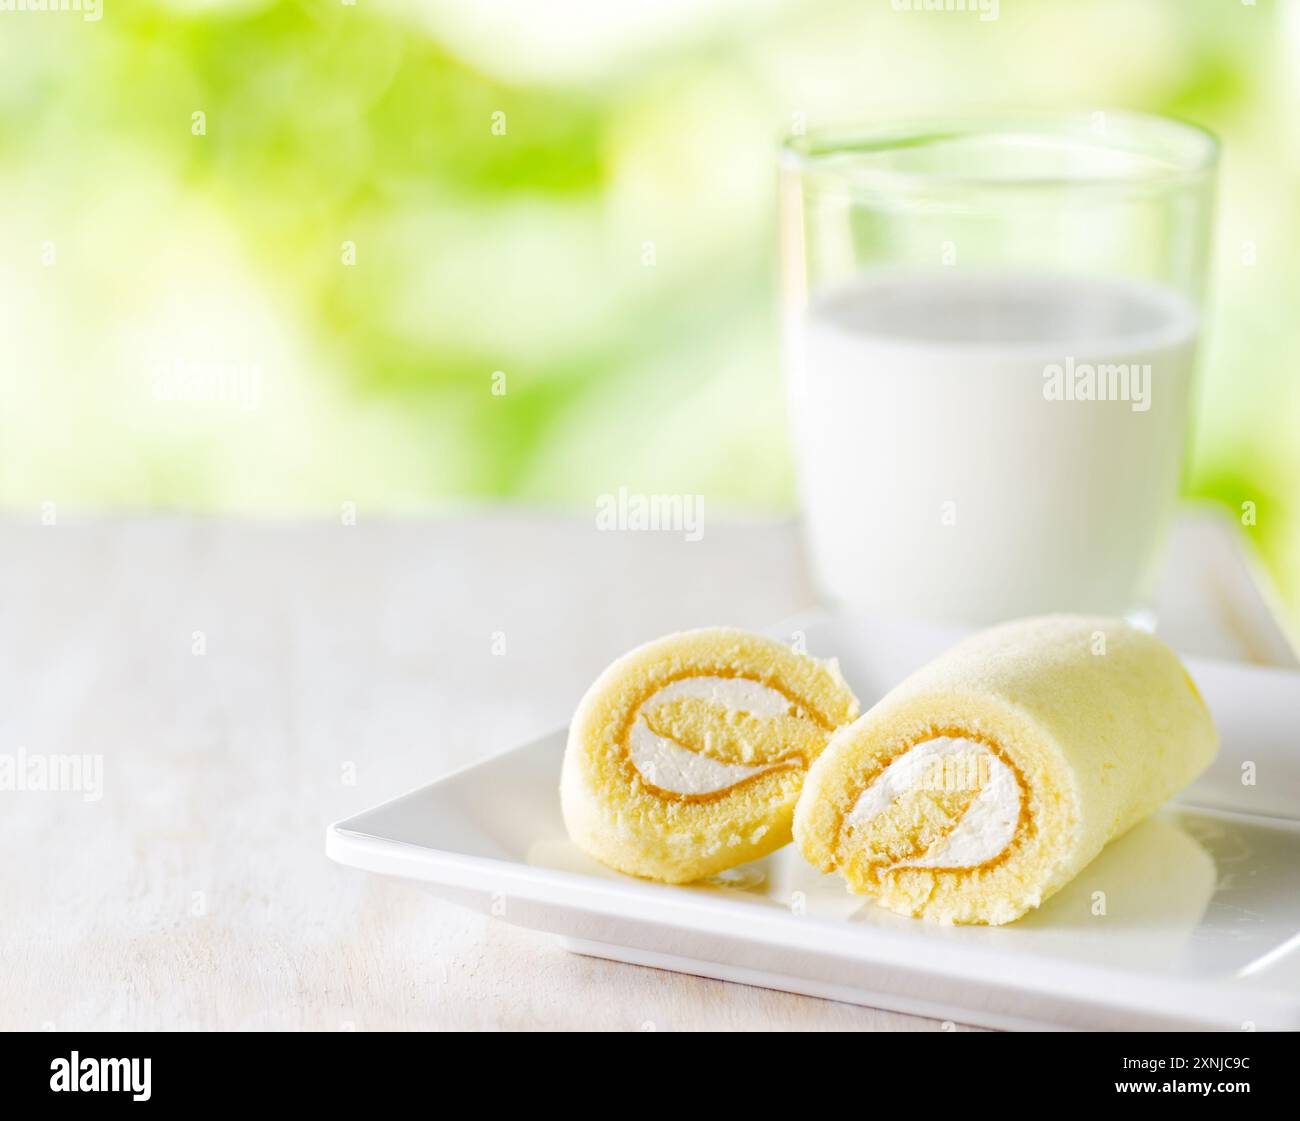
1202 902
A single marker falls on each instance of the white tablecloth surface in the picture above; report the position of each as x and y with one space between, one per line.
247 683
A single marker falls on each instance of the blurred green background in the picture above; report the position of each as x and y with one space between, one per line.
305 295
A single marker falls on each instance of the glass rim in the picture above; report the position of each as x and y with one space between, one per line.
1189 151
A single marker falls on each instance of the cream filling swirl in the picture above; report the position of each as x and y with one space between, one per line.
989 822
669 766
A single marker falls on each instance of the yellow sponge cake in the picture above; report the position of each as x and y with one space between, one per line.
687 755
991 777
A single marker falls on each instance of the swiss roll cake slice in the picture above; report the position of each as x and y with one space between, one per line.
686 756
991 777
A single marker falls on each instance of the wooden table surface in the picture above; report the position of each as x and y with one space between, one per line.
247 683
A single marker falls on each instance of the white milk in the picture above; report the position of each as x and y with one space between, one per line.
948 467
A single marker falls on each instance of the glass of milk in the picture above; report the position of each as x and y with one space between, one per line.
990 330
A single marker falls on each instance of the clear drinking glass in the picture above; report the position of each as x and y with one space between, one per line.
990 329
